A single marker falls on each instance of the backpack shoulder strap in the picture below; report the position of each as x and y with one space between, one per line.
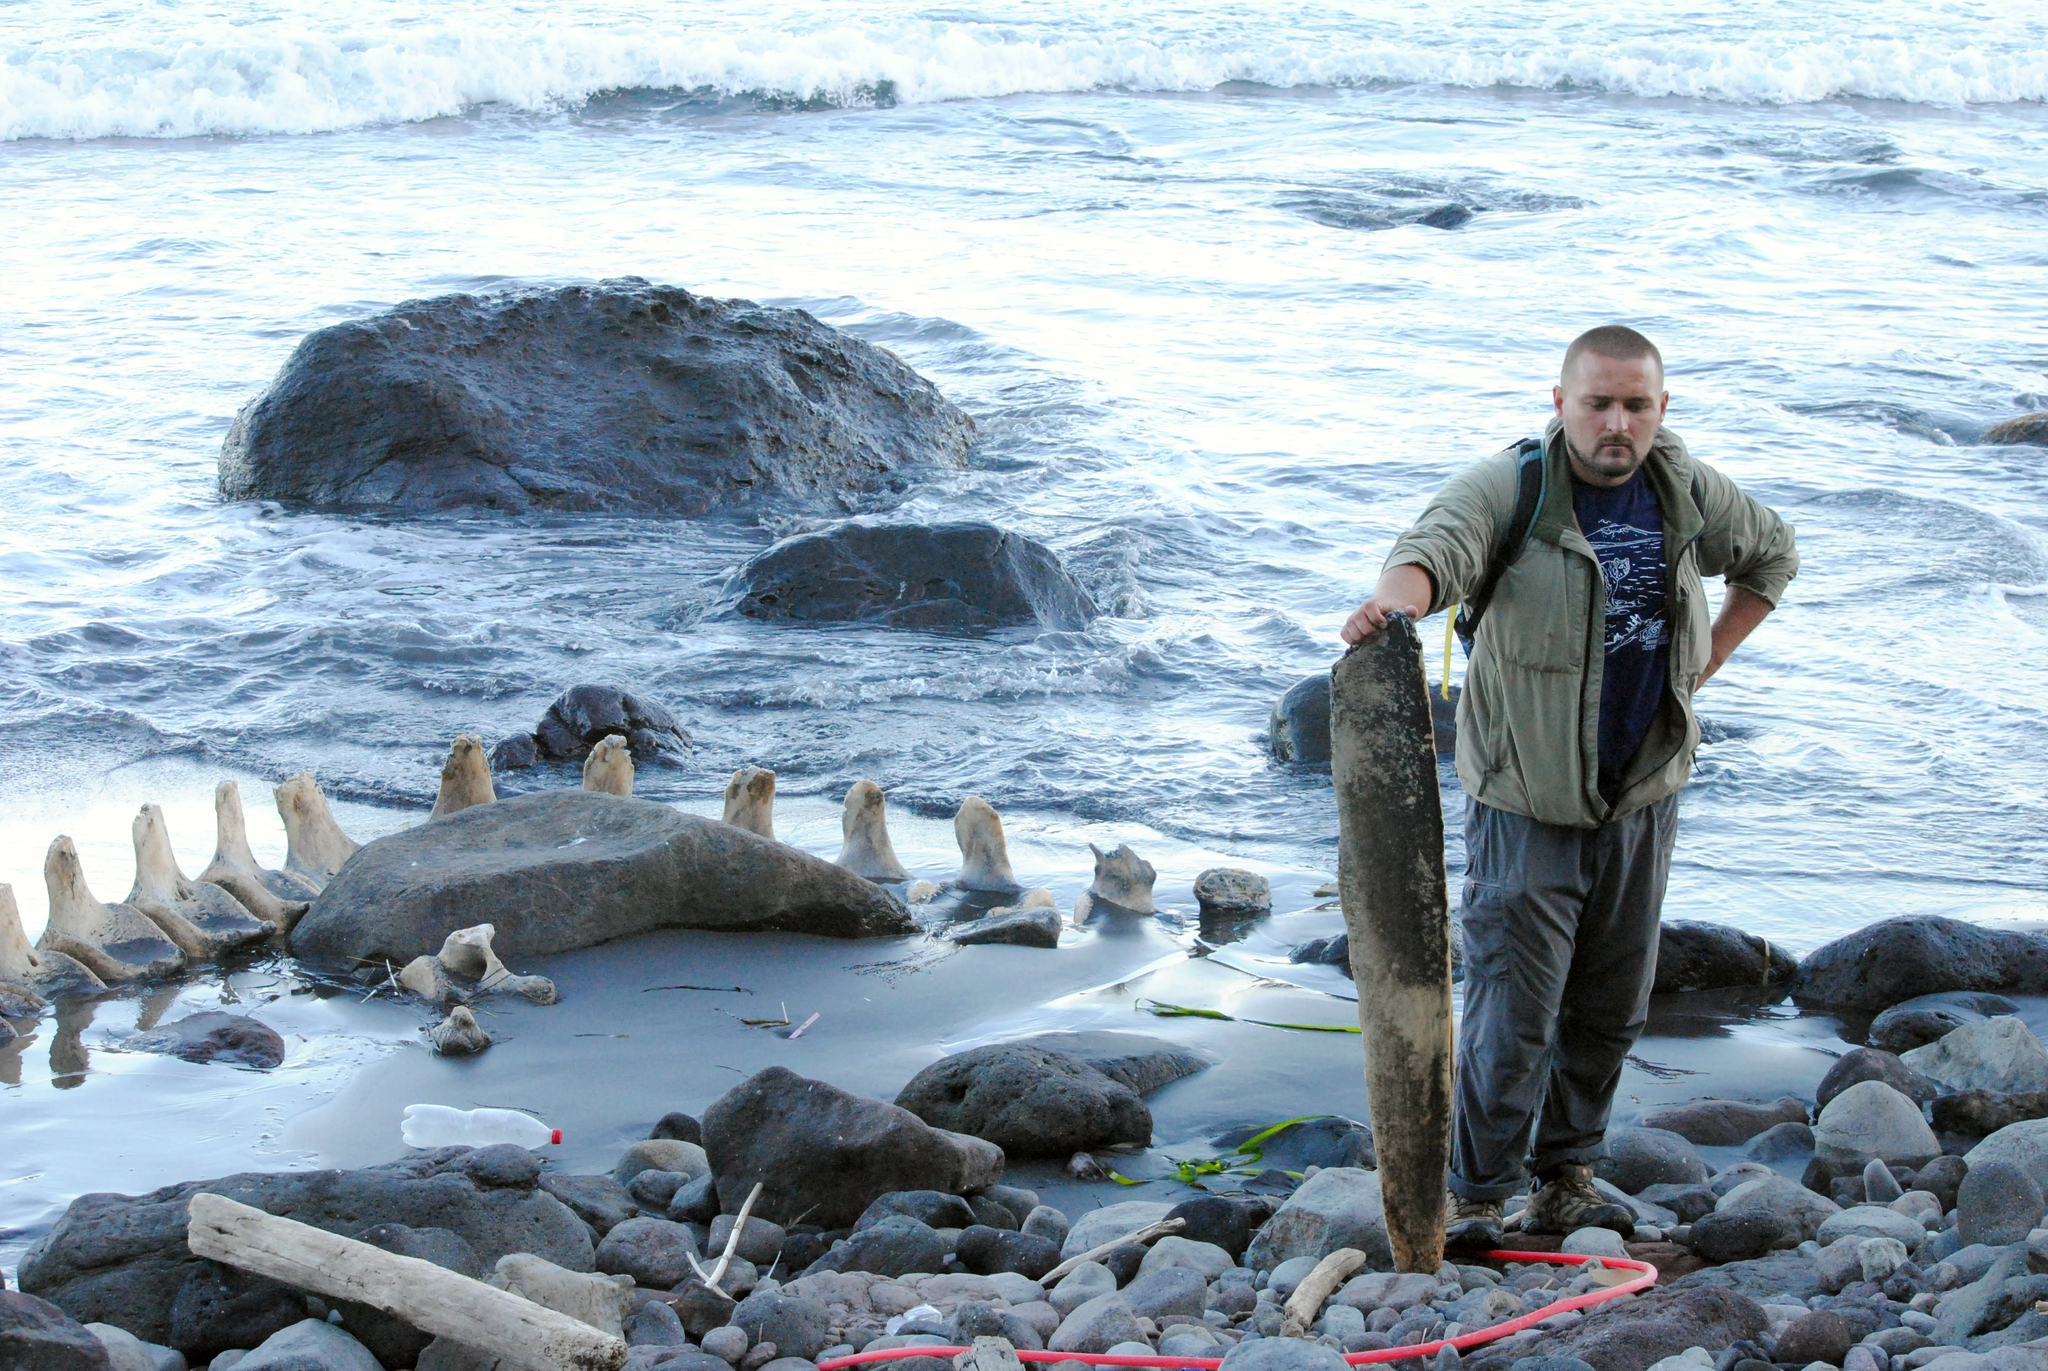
1528 495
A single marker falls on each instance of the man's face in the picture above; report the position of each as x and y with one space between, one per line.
1611 410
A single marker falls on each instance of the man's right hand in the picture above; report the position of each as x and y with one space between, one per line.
1402 590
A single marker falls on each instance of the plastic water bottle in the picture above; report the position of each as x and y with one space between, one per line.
436 1125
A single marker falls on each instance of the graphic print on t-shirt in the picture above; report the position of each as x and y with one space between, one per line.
1632 565
1626 529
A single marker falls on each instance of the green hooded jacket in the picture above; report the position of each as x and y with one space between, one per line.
1529 717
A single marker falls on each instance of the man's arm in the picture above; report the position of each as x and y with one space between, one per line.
1740 613
1404 589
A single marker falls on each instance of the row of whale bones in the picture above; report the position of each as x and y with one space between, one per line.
170 919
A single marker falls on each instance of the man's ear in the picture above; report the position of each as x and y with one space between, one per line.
1557 398
1663 405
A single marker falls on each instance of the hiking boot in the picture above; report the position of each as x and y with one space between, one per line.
1472 1223
1567 1201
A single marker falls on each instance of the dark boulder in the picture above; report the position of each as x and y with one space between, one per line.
36 1335
1688 1202
1332 1140
219 1307
122 1259
563 869
1225 1222
392 1341
1028 1101
1929 1018
1704 956
1872 1064
1018 928
1735 1235
1724 1123
679 1126
959 577
1898 959
1335 951
934 1208
799 1327
1638 1158
1980 1113
2031 429
1230 894
985 1251
213 1036
585 716
1655 1324
1299 731
825 1155
896 1246
621 397
1822 1335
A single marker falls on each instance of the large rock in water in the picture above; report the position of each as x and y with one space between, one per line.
562 869
1920 954
825 1155
965 576
2028 428
1704 956
122 1259
622 397
1028 1101
585 716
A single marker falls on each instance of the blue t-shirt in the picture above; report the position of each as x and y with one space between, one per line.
1626 529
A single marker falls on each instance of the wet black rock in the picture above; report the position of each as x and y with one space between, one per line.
563 869
1028 1101
799 1327
621 397
956 577
1873 1064
1929 1018
1822 1335
1228 893
825 1154
985 1251
1895 960
36 1335
679 1126
896 1246
1704 956
2031 429
1735 1235
395 1343
1330 1141
599 1201
214 1036
1654 1325
1299 731
218 1307
1980 1113
1018 928
935 1208
1227 1223
122 1259
585 716
1943 1179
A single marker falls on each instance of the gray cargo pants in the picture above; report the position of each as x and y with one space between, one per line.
1560 952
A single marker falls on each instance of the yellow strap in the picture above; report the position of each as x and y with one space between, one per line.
1450 631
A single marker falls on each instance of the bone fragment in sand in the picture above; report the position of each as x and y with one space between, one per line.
459 1035
984 856
117 942
1150 1231
867 850
1307 1300
1390 874
465 778
430 1298
315 846
1124 879
204 920
608 769
750 800
33 968
467 955
920 892
276 897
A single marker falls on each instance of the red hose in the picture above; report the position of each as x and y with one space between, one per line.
1421 1349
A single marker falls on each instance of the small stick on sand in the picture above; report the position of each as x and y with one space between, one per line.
1142 1236
1307 1300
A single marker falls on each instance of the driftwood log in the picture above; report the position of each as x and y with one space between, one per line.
1144 1235
430 1298
1307 1300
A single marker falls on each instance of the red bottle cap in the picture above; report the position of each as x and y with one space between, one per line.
557 1136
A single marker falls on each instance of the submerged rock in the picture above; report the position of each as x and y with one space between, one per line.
620 397
214 1036
958 577
564 869
1703 956
585 716
1928 1018
1894 960
1015 927
1028 1101
2031 429
122 1259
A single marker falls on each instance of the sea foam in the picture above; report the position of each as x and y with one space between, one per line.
270 75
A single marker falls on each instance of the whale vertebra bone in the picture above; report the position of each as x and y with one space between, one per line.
278 897
40 970
750 800
1124 879
203 919
459 1035
608 769
984 855
465 777
867 850
116 942
316 847
467 955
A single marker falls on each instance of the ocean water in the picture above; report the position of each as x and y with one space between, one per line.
1170 258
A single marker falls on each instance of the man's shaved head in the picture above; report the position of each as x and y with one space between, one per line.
1617 341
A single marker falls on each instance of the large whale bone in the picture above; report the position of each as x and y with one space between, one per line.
466 955
750 800
315 846
984 854
43 971
117 942
867 850
1390 875
465 778
1123 878
204 920
608 769
277 897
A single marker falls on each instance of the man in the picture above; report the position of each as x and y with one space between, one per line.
1575 733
